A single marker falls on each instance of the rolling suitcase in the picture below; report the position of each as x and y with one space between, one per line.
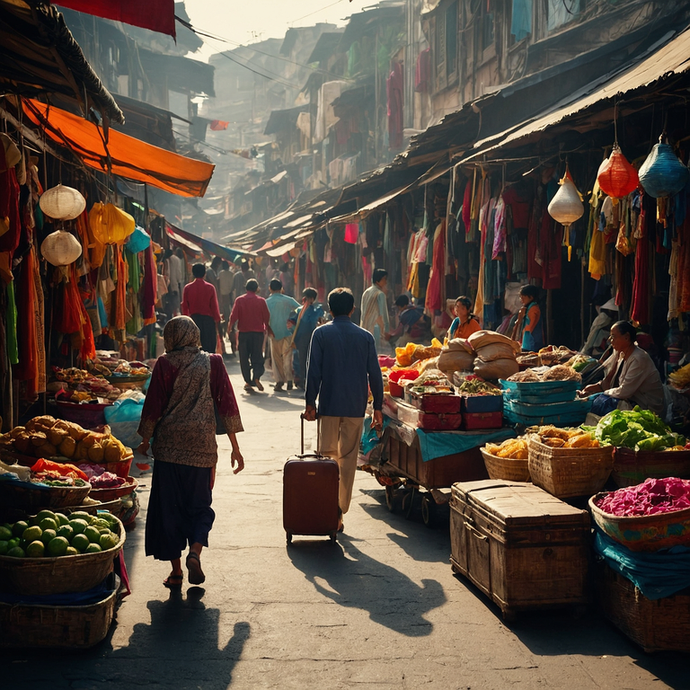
310 494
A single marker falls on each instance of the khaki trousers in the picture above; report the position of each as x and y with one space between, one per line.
339 439
281 354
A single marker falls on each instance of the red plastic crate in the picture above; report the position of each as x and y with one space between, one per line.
482 420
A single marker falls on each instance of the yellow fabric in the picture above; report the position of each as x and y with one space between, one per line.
597 255
125 156
110 224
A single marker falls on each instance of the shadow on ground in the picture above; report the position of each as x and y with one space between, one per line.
351 578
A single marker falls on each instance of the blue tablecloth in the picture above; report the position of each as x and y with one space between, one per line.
436 444
656 574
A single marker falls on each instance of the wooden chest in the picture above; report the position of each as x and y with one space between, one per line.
438 473
521 546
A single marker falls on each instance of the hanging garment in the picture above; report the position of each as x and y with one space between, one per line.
422 76
394 92
10 217
435 294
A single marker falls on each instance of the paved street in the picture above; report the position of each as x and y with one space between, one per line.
381 609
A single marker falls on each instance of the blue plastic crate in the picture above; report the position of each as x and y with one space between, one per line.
540 391
559 414
544 398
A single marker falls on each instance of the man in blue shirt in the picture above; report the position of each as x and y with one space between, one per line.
279 307
341 368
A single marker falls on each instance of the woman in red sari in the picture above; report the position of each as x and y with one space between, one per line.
186 384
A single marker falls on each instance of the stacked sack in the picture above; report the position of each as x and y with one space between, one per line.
496 355
456 355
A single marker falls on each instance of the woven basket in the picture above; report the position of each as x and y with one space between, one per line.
66 627
59 575
632 467
30 497
645 533
569 472
110 494
127 382
510 469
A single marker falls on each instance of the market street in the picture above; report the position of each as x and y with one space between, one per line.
381 609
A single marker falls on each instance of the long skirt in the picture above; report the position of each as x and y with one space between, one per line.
179 511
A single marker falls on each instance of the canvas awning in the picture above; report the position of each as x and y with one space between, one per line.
209 246
122 155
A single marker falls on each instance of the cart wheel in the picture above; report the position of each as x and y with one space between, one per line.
392 498
408 503
428 511
288 538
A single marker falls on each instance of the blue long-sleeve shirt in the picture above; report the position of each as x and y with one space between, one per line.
341 368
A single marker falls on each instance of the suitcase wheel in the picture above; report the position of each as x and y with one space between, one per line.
333 536
288 538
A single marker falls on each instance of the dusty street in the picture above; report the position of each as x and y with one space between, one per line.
381 609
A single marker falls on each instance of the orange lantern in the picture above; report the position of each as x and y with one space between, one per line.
616 177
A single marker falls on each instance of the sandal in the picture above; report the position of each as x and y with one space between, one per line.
196 574
173 581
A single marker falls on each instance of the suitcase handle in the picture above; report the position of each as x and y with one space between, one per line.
318 435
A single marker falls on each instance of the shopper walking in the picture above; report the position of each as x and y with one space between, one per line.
375 308
305 319
279 307
200 301
252 317
186 385
342 367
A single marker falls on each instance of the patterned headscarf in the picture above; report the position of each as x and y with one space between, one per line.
182 339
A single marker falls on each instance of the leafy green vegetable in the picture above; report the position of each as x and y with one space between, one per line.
638 429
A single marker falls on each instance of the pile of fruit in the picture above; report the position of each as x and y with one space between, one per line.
566 438
82 385
513 448
50 534
45 437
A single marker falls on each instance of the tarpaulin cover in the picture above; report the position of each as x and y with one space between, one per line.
156 15
437 444
129 157
656 574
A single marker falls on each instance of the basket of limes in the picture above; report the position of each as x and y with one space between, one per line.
52 553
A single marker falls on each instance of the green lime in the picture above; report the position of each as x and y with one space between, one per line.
65 531
16 552
32 533
35 549
19 527
100 523
48 536
108 541
5 534
93 548
15 541
71 551
4 547
93 534
80 515
78 525
62 519
48 523
58 546
80 542
45 513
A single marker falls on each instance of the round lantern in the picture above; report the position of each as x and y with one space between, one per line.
616 177
61 248
110 224
566 206
662 174
62 203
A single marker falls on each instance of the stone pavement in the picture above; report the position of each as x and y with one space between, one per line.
381 609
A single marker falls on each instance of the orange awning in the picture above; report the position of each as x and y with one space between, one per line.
129 157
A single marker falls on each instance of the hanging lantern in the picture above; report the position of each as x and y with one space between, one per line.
62 203
566 207
662 174
616 177
61 248
110 224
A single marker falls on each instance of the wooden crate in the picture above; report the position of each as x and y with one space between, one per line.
663 624
522 547
438 473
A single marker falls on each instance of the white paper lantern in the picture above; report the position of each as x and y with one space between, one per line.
566 206
61 248
62 203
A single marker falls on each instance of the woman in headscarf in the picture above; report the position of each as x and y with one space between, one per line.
186 384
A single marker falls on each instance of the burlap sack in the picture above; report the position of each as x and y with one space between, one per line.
497 369
460 344
482 338
488 353
450 361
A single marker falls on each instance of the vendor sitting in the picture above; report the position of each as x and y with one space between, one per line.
465 322
631 377
413 326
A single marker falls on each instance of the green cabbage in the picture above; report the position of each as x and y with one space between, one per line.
638 429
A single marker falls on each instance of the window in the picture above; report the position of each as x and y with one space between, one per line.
561 12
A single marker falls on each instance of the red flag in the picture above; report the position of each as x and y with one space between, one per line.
218 125
156 15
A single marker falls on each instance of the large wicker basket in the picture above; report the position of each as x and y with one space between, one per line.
33 497
644 533
111 493
65 627
510 469
631 467
569 472
38 576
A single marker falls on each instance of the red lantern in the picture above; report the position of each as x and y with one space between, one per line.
616 177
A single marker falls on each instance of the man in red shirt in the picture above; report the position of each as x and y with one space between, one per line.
251 314
199 300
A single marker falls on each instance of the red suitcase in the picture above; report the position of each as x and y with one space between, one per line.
310 495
